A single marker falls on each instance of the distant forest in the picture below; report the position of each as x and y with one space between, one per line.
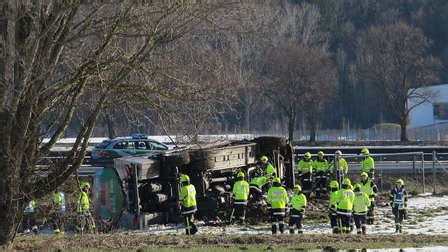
300 64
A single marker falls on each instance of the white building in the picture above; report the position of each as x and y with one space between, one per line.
428 112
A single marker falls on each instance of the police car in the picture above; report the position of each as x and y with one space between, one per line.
137 144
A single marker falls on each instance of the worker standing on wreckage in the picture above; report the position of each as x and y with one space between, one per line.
187 197
259 182
267 167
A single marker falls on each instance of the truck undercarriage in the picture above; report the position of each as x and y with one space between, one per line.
150 184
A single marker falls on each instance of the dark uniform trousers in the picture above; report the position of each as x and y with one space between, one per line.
295 219
188 213
399 215
239 210
278 218
360 222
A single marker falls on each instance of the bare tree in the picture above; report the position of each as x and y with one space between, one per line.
53 54
395 59
297 76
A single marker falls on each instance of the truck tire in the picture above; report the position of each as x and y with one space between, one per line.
272 141
265 145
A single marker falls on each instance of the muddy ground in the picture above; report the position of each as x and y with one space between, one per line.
142 241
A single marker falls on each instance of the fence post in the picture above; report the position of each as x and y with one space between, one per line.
434 177
413 168
423 172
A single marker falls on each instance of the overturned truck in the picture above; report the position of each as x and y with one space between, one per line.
150 184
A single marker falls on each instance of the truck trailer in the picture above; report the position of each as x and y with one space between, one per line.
145 188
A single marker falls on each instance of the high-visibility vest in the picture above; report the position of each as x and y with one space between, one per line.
361 203
333 201
398 197
321 165
258 181
270 169
367 188
188 195
343 166
59 199
345 199
241 190
277 197
368 164
298 201
83 203
305 167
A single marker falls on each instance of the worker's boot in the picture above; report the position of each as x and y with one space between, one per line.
274 228
291 229
364 230
397 228
400 229
281 227
194 229
358 231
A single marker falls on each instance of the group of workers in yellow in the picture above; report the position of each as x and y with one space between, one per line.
85 220
347 204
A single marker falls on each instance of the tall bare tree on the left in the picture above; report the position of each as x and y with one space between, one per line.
52 54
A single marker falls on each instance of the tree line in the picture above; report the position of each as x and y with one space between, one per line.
280 66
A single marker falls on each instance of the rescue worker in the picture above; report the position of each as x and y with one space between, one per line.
58 212
278 199
30 218
321 169
344 199
332 207
361 204
305 167
187 197
256 186
240 196
367 163
371 190
398 201
85 218
298 205
268 168
339 167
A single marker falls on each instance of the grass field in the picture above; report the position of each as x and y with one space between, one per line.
226 242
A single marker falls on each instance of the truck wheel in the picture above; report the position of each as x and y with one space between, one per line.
272 141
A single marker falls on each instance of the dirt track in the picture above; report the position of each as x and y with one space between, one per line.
134 241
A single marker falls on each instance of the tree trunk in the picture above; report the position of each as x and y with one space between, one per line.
10 219
247 110
291 124
110 126
404 133
313 133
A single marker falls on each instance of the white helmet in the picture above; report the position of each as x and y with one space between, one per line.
338 152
